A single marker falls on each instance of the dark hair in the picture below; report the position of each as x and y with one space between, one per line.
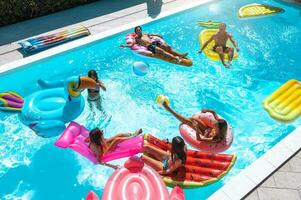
177 148
137 28
95 136
223 127
93 73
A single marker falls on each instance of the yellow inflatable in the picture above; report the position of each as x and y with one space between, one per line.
204 36
285 103
255 10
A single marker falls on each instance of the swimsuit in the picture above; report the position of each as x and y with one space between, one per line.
152 47
165 164
93 98
224 48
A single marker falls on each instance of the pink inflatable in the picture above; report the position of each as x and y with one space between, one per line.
92 196
136 181
189 135
130 40
74 137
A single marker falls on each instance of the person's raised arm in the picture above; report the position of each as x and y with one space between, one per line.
178 116
206 43
103 87
157 35
233 41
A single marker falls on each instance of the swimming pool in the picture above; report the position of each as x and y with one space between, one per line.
34 168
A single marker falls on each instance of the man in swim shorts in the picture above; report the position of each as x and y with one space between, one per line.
156 46
220 47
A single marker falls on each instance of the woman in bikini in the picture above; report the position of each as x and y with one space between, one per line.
100 145
94 94
166 162
207 125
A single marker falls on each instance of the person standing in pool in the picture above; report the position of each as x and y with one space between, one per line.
94 94
207 125
220 47
156 46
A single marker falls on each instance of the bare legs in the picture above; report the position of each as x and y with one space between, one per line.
168 55
172 51
229 51
220 52
158 154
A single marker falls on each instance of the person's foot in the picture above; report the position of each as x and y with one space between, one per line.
184 55
226 65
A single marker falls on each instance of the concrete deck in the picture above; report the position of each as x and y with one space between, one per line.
106 14
284 184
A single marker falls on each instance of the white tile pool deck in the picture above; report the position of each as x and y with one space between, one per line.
285 183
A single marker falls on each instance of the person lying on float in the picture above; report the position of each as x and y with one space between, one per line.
100 145
155 46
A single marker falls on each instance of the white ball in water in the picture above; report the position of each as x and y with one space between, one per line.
140 68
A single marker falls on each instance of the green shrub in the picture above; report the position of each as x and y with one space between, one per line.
12 11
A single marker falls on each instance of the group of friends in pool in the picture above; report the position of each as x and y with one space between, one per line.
207 129
220 38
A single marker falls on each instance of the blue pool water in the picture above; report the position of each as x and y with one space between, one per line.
33 168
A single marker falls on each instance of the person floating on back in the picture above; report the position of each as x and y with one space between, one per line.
220 47
156 46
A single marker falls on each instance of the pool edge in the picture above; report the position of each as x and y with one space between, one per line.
264 166
93 38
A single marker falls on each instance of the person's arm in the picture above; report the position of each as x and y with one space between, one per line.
212 112
157 35
97 152
125 46
233 41
206 43
100 83
178 116
172 168
109 165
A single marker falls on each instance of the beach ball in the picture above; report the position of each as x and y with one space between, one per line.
161 99
140 68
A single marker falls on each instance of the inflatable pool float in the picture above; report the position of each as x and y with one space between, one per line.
43 42
189 136
141 50
137 181
209 24
48 110
201 168
74 138
284 104
204 36
11 101
92 196
255 10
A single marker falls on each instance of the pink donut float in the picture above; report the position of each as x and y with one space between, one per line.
137 181
74 138
189 135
